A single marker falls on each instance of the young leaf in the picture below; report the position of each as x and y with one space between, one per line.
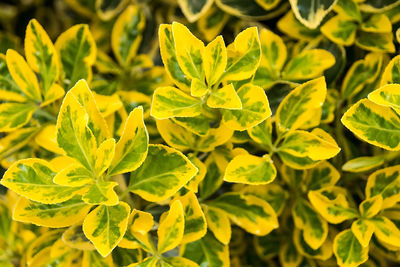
198 88
371 206
219 224
170 231
74 175
77 50
249 212
23 75
195 221
215 60
171 102
363 230
249 169
169 58
255 109
293 111
225 97
131 149
105 154
60 215
33 179
373 123
41 55
101 193
244 55
348 251
126 34
156 184
106 225
189 51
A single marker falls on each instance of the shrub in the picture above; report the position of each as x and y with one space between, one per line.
200 133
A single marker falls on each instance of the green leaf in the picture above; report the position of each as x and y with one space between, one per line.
41 55
311 12
251 213
386 230
126 34
315 229
225 97
171 102
77 50
348 250
193 10
255 109
131 149
391 73
363 164
212 180
101 193
322 175
363 231
249 169
348 8
373 123
340 30
244 55
15 115
376 42
295 108
33 179
207 250
308 64
8 88
384 182
74 175
371 206
156 182
106 225
51 215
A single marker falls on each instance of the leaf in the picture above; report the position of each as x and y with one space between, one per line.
347 249
75 175
376 42
273 57
108 105
244 55
267 4
23 75
106 225
195 221
371 206
373 123
386 230
391 73
218 223
304 144
312 12
51 215
349 9
361 73
249 212
255 109
96 121
207 250
387 96
131 149
384 182
16 140
363 230
77 50
75 238
340 30
288 254
215 60
171 102
322 175
249 9
33 179
362 164
289 25
157 184
73 133
169 58
8 88
126 34
262 133
377 23
15 115
211 23
193 184
315 229
170 231
249 169
140 221
105 154
193 10
178 262
41 55
225 97
101 193
322 253
332 205
199 125
189 51
308 64
198 88
293 111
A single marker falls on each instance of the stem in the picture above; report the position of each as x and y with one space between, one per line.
45 114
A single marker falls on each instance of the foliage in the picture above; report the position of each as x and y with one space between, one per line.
199 133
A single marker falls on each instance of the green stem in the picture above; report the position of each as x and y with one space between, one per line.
45 114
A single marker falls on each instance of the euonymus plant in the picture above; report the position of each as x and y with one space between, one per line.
218 133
